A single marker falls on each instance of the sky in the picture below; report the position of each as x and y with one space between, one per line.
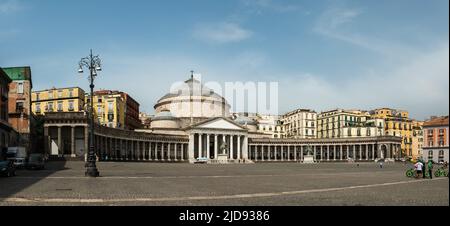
324 54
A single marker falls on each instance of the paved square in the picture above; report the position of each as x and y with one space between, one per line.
278 184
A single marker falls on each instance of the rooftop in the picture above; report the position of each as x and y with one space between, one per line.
437 121
19 73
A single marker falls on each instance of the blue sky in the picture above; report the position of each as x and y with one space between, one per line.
324 54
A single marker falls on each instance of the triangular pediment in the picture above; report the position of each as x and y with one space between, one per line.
219 123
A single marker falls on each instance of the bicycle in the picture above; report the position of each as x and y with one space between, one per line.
441 173
413 173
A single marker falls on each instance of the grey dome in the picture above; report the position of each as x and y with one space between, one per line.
163 115
192 87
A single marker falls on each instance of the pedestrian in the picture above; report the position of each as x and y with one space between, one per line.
419 167
423 168
381 164
430 168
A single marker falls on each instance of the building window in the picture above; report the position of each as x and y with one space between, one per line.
441 156
37 96
60 93
71 105
430 155
20 87
368 132
111 117
19 107
70 92
441 141
50 94
38 107
359 132
110 107
50 107
60 106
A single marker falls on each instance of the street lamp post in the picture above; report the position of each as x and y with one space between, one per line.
93 63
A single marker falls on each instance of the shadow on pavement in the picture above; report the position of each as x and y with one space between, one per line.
10 186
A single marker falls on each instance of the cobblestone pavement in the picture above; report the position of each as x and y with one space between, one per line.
277 184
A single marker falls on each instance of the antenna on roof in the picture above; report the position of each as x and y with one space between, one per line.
192 74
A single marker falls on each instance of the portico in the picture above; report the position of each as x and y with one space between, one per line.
217 136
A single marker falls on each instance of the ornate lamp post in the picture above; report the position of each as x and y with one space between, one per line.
93 63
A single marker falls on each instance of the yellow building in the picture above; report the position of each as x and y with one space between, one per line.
417 141
109 108
58 100
398 123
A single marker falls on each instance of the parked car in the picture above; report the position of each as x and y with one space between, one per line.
7 168
18 155
36 161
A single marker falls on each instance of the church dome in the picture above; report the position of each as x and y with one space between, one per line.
193 100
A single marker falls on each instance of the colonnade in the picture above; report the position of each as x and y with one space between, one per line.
324 152
121 149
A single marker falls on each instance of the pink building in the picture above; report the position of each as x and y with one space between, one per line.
435 145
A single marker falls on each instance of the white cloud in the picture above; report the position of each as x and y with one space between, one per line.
338 23
420 86
221 33
9 6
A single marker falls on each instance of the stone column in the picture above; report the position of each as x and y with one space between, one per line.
295 153
232 147
321 153
245 148
200 144
72 141
191 148
208 146
215 146
334 152
328 152
239 148
175 152
169 147
342 152
60 149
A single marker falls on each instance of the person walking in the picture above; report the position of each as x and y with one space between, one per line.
423 168
430 168
419 168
